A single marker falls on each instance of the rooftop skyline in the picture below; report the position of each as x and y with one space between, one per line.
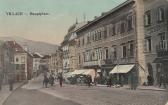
53 26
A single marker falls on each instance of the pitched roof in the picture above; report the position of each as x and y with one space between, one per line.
17 48
105 14
37 55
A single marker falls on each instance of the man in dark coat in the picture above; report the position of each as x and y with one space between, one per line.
60 79
11 81
45 82
51 80
89 80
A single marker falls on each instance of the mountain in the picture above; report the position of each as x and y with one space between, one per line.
33 46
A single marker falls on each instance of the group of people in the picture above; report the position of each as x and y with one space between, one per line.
51 79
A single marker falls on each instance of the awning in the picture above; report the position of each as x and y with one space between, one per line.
88 71
76 72
121 69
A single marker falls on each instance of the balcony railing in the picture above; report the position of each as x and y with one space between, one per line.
91 63
162 48
98 63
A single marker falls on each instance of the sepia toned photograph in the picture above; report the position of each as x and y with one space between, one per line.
83 52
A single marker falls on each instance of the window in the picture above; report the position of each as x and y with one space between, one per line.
147 18
83 41
96 54
130 23
124 51
160 14
163 41
114 30
17 66
87 56
131 50
114 53
148 45
84 56
93 37
93 55
122 27
17 59
79 43
23 66
100 54
105 33
88 39
99 35
79 59
23 59
118 27
106 50
96 35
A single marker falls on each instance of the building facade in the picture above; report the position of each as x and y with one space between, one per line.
156 38
44 63
114 38
55 62
20 62
36 64
69 48
1 61
8 61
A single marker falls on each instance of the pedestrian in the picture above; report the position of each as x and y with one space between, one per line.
162 81
45 82
89 80
60 79
10 81
95 80
133 81
0 82
51 80
150 80
109 81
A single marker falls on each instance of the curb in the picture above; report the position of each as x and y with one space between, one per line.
166 90
154 89
14 91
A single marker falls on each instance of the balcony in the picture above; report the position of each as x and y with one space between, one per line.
98 63
162 49
91 63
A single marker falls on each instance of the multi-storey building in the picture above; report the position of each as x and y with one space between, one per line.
1 60
114 39
44 63
21 61
36 63
55 62
156 38
69 48
8 61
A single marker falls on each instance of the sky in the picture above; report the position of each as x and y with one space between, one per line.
48 28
